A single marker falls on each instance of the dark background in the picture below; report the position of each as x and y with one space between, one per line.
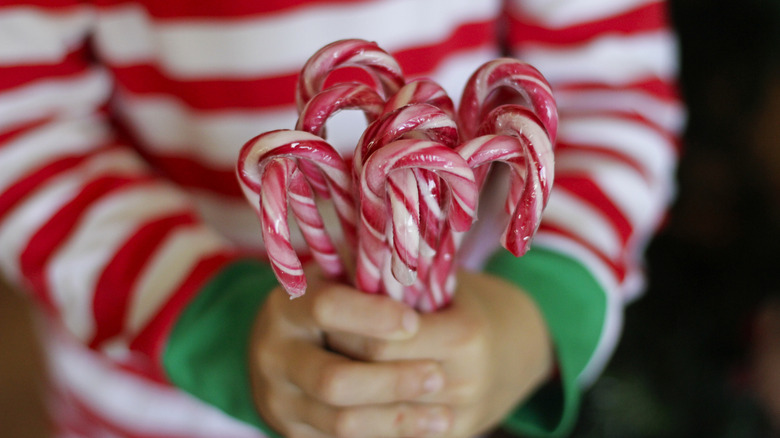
682 367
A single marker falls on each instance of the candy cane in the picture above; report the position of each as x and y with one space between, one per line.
258 186
529 151
282 184
507 74
400 155
422 91
512 135
414 194
379 64
322 106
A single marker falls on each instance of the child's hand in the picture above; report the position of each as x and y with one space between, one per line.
302 389
492 344
453 373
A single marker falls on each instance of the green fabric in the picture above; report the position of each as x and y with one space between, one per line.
574 307
207 353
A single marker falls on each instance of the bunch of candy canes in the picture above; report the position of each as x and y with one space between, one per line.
412 188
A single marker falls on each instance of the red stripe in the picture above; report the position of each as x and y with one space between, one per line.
195 174
48 4
209 94
562 148
73 65
618 269
276 91
14 133
184 9
634 117
586 190
657 87
114 287
58 228
153 338
26 185
419 61
524 29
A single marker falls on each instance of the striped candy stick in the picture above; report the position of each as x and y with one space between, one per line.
422 91
322 106
284 184
398 156
380 65
518 135
532 181
283 150
413 194
428 185
515 79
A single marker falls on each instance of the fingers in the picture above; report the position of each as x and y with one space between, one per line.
342 309
336 380
396 420
438 336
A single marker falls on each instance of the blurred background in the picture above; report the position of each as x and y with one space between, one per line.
700 354
701 349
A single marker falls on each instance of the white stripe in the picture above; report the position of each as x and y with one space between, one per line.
611 59
570 213
72 96
20 224
629 138
30 35
640 200
75 268
134 403
669 115
560 13
166 126
610 334
167 268
48 144
270 45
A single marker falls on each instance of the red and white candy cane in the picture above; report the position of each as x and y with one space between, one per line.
322 106
283 183
414 194
513 135
265 173
379 64
533 170
482 93
397 156
422 91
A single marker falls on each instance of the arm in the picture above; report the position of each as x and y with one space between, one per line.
612 67
111 251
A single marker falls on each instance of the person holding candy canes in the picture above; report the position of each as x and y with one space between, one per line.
165 295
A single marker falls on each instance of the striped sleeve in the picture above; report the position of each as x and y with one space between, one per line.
107 247
612 65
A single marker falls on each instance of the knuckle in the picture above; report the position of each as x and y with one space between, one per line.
345 424
320 308
329 383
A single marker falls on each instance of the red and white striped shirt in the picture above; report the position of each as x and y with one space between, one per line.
121 120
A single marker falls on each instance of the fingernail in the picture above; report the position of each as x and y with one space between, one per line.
433 382
409 321
436 423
